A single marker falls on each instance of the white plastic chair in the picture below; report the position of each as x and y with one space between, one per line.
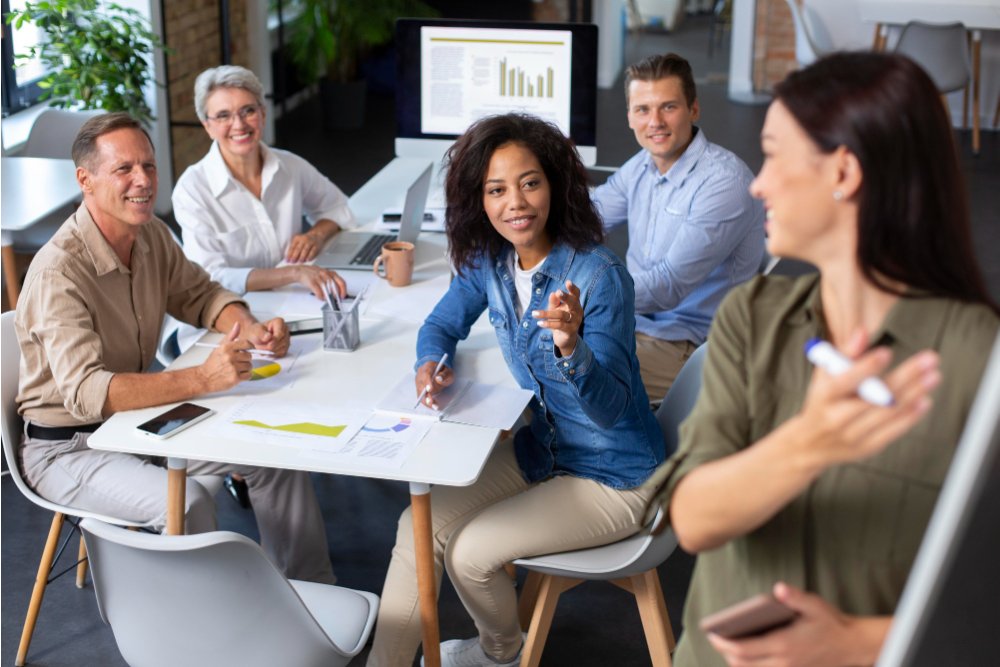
942 49
53 132
630 563
215 599
51 136
812 40
11 429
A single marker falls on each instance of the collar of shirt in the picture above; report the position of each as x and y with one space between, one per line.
219 176
101 253
555 266
685 163
906 323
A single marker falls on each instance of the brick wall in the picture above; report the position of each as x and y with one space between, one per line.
774 44
193 34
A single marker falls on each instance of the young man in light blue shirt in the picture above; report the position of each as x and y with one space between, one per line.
694 230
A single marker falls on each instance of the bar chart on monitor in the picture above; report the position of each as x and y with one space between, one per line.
468 73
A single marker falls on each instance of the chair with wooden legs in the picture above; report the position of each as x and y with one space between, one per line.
11 428
630 564
943 51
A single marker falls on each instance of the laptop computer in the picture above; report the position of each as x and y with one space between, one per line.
358 250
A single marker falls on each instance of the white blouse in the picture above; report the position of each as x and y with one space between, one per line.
229 232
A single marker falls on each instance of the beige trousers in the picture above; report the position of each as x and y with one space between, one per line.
659 362
477 530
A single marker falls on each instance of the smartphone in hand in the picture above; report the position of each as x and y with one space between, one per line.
174 420
754 616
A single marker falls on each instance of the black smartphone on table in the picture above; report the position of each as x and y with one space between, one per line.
174 420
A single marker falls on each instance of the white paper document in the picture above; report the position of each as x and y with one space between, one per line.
317 431
293 424
464 402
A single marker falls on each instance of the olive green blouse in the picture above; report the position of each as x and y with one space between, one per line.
853 534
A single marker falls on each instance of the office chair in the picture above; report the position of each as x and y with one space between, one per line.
215 599
11 428
629 564
942 49
51 136
722 20
812 41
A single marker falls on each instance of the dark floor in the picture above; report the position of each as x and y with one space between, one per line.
596 624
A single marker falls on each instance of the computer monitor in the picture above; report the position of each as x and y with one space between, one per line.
451 72
950 610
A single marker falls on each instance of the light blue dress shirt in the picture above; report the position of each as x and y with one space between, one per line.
694 233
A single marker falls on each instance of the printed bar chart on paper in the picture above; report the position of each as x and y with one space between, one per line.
305 425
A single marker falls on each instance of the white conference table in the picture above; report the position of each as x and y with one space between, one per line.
33 187
976 15
450 454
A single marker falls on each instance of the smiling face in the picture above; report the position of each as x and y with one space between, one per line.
661 118
239 132
516 198
796 183
119 182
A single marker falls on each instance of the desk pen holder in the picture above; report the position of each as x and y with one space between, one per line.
341 329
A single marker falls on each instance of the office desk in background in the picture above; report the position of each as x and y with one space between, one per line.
450 454
976 15
33 188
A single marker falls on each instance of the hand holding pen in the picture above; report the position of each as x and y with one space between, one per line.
431 379
842 422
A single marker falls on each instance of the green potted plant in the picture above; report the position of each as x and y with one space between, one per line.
328 38
95 54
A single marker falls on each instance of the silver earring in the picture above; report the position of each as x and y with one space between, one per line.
838 195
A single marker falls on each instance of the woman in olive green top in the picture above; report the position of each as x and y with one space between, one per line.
786 481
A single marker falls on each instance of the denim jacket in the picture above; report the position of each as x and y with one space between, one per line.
591 415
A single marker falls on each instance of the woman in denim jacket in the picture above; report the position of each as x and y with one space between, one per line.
524 239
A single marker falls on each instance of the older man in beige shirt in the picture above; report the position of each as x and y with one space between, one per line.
88 323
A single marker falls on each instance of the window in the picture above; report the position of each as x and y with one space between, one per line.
20 84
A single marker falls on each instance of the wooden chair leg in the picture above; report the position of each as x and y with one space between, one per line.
528 598
38 592
965 107
11 276
549 590
653 612
81 567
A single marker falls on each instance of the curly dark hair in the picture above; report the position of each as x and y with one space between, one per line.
573 220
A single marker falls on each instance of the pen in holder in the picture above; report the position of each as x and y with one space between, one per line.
341 330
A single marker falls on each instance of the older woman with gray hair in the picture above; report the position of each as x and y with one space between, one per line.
241 206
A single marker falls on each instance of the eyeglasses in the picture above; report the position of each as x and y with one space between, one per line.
249 112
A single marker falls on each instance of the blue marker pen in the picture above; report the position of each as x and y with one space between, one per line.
826 356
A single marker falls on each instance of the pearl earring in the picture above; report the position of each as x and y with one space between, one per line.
838 195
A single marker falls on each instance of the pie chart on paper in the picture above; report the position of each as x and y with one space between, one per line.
266 371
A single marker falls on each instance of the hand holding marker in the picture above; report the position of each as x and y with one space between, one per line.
826 356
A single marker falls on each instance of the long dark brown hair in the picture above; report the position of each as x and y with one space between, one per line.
913 212
572 218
